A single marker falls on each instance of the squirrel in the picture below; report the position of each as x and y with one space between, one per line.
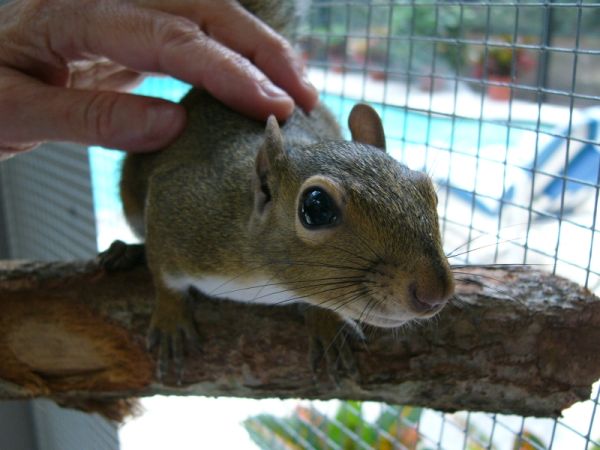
285 213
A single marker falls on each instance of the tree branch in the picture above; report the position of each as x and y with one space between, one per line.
517 341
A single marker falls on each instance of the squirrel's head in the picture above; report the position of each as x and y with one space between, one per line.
345 226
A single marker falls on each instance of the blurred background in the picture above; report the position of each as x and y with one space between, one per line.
499 101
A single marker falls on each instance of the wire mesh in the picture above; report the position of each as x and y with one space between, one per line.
499 101
46 197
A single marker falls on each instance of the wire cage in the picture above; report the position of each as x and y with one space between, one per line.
499 102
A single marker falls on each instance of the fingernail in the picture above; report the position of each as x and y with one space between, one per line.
273 91
164 122
307 82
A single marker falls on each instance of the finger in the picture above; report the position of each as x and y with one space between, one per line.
153 41
33 111
239 30
9 149
275 58
104 75
123 81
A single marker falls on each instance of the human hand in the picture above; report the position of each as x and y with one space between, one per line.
65 66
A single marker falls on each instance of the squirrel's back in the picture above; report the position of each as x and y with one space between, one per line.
218 138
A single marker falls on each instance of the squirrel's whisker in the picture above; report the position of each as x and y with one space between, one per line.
343 302
317 264
371 304
493 244
470 241
299 297
302 283
494 265
311 293
238 276
360 257
366 244
288 289
342 299
293 259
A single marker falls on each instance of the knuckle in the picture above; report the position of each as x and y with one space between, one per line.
176 32
276 52
234 63
99 115
232 60
281 47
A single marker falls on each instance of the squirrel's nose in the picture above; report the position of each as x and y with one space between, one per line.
425 297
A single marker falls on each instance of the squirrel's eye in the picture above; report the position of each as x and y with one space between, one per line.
317 208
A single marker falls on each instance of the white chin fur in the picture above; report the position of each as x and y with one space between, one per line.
385 322
379 319
259 290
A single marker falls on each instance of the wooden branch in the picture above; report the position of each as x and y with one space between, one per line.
518 341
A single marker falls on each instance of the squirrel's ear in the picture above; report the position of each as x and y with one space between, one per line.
272 148
273 139
270 152
366 127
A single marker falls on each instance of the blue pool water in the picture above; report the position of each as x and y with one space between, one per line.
440 131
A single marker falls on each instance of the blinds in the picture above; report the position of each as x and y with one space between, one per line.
47 204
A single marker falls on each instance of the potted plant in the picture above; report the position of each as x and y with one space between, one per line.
496 65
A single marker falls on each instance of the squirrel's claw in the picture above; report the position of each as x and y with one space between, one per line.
170 340
330 339
159 344
170 350
122 256
164 354
152 339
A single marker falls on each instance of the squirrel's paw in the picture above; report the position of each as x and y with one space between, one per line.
330 338
122 256
169 340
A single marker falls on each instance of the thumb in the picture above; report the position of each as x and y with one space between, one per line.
45 113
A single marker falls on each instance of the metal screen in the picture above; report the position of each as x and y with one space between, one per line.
47 207
499 101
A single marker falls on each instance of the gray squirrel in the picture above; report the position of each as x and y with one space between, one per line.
285 213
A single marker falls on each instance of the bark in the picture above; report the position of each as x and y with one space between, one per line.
517 341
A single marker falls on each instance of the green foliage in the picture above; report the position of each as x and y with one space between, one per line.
418 34
528 441
348 429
